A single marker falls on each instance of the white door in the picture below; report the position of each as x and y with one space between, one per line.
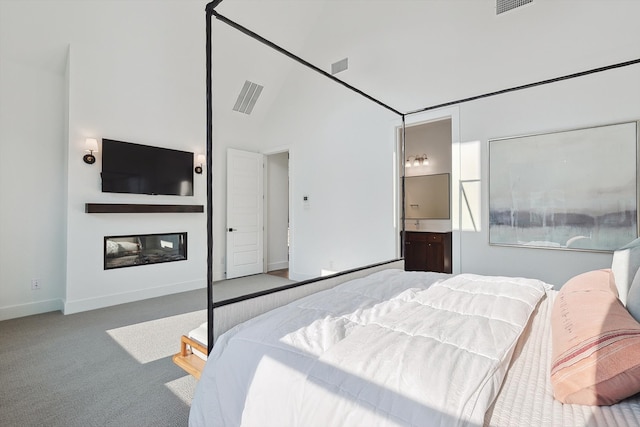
244 213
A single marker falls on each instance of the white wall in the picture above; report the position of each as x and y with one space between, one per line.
604 98
342 159
72 70
341 156
32 161
134 81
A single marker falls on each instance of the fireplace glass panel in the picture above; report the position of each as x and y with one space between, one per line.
143 249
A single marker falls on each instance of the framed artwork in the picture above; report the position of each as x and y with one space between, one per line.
575 189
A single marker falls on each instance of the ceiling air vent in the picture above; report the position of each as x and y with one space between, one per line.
507 5
248 97
339 66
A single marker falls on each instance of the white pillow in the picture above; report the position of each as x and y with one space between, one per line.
633 299
626 262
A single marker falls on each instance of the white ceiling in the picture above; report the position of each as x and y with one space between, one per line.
412 54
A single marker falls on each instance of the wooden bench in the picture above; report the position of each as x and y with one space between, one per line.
188 361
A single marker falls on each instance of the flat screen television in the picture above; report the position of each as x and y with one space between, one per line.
143 169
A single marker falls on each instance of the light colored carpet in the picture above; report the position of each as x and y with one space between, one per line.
107 367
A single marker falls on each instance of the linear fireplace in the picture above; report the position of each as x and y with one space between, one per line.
142 249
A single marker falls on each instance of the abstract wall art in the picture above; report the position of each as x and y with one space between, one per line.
575 189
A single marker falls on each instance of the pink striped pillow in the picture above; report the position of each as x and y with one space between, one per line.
596 342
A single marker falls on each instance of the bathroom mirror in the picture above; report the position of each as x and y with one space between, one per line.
427 196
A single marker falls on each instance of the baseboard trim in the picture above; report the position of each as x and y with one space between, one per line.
77 306
31 308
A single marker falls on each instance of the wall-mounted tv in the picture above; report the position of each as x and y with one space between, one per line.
143 169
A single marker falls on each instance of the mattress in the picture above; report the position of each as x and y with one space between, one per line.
365 352
200 334
526 398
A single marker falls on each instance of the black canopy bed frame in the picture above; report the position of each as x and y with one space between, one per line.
339 277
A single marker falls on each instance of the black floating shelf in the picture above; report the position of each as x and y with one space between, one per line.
137 208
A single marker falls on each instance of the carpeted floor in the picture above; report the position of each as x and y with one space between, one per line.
107 367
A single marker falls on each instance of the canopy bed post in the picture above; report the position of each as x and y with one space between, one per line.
403 166
209 150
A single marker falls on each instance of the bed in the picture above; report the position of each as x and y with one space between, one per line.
397 348
392 348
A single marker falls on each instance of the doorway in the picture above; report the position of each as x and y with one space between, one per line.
427 205
442 129
258 226
277 224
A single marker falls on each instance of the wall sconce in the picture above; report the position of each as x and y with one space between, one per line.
90 145
422 160
200 160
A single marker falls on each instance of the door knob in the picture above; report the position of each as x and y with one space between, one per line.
233 229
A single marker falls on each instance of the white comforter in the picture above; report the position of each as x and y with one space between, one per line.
389 349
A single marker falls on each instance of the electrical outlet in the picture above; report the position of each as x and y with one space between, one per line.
35 284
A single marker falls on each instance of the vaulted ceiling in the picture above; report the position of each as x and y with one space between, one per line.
412 54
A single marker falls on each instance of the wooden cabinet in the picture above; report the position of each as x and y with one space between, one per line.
427 251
